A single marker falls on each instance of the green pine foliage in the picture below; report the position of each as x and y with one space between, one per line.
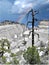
31 55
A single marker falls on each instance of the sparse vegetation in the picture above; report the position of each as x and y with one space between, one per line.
6 51
31 55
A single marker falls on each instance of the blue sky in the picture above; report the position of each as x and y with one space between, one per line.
16 10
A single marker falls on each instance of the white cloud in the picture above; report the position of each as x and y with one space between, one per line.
23 6
20 6
16 3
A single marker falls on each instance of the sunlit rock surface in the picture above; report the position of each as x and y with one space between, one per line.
17 34
41 40
20 38
41 32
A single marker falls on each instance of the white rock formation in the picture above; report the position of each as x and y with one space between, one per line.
42 30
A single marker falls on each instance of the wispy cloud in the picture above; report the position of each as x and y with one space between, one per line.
45 1
12 7
20 6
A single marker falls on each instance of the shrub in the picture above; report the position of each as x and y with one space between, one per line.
31 55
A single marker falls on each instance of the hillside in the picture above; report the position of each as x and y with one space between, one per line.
15 33
10 28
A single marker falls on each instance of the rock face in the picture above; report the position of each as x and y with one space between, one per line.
16 33
41 40
11 31
41 32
